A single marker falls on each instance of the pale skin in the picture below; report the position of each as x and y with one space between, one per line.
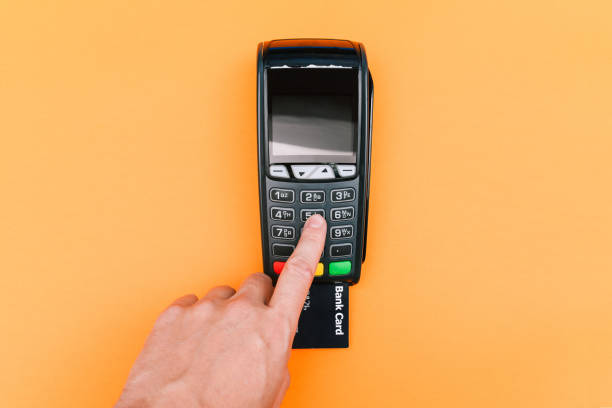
230 348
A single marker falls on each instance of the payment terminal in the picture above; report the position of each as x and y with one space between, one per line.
314 109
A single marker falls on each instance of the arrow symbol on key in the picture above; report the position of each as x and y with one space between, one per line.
301 173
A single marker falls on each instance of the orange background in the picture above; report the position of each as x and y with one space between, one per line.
128 178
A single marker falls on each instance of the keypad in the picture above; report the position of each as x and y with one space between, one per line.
290 207
281 195
342 214
305 214
282 214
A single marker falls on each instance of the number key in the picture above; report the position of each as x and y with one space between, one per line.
312 196
343 194
343 213
282 232
305 214
282 195
341 232
282 214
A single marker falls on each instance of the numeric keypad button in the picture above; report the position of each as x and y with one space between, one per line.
340 250
282 195
312 196
282 214
342 214
283 232
343 194
341 232
282 250
305 214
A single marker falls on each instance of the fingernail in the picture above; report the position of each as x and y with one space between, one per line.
315 221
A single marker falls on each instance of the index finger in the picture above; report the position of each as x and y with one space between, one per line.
296 277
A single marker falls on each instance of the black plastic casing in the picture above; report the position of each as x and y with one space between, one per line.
298 54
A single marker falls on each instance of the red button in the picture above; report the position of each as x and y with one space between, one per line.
278 267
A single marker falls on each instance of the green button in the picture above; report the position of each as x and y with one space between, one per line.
339 268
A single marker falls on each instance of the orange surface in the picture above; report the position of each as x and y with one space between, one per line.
128 177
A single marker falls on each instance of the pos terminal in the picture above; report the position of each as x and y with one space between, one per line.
314 110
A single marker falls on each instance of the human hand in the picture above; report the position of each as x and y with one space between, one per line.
229 348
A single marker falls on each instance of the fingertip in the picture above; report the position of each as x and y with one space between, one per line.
315 221
185 301
257 287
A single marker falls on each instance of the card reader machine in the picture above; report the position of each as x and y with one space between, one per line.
314 107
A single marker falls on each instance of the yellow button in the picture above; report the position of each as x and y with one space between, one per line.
319 270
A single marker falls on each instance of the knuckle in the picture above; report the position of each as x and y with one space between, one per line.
227 288
257 280
262 282
174 310
204 305
261 277
221 290
171 313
